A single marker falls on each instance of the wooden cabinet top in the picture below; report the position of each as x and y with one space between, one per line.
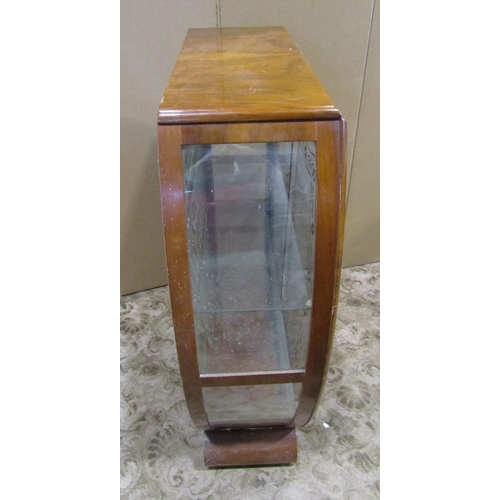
243 74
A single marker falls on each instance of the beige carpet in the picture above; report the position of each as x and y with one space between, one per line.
161 450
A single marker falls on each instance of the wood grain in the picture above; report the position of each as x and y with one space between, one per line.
238 447
243 74
252 378
227 133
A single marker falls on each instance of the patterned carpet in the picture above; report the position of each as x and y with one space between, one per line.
162 452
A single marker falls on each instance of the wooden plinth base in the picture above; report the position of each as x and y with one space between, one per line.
237 447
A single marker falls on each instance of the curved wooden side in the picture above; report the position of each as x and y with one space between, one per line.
175 233
330 215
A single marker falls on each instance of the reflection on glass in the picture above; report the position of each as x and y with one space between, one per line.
250 218
251 405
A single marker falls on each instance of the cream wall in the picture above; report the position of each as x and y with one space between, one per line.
362 226
333 36
152 32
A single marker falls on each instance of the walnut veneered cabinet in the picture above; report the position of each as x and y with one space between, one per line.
252 174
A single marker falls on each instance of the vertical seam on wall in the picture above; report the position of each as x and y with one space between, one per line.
218 14
360 98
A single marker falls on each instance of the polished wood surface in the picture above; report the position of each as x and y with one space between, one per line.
239 447
241 133
243 74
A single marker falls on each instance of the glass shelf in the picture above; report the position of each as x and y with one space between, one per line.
250 212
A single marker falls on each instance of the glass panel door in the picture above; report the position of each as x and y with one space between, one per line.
250 212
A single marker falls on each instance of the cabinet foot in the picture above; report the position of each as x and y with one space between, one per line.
239 447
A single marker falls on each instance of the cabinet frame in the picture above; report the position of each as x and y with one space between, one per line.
329 136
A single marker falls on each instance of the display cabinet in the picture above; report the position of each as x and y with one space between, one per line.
252 175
